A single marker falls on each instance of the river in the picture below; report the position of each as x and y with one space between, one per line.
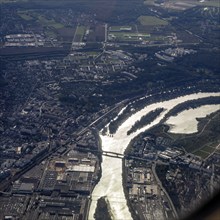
110 184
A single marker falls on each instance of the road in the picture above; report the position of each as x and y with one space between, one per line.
106 33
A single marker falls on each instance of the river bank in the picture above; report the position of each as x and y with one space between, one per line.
110 184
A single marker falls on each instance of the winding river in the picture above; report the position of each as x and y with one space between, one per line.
110 184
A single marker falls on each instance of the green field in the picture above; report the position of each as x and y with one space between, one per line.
208 149
53 28
50 33
205 151
151 21
92 53
149 2
50 23
201 154
33 15
25 16
80 31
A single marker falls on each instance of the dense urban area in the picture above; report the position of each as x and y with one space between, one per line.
68 68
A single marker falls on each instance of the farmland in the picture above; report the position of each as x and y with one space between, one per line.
151 21
29 15
24 15
51 23
207 150
80 31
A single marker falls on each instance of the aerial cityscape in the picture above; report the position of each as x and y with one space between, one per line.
109 110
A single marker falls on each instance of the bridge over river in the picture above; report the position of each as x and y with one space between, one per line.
111 154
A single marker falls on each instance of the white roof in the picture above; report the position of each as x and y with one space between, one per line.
81 168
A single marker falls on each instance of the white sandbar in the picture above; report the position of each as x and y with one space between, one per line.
185 122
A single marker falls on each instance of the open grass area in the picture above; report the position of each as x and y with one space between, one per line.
34 15
80 31
151 21
205 151
50 34
25 15
92 53
67 33
208 149
149 2
51 23
201 154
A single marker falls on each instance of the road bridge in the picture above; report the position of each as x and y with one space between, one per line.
112 154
